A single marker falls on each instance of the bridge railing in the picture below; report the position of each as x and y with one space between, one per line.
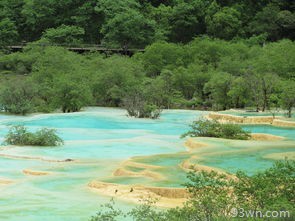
77 47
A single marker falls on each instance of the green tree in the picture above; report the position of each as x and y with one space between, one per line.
40 15
87 17
139 104
207 128
272 189
19 135
286 20
8 32
128 29
71 96
113 77
218 88
160 56
224 24
190 81
239 92
18 96
269 82
206 51
167 92
277 58
64 34
162 16
187 20
288 96
265 22
254 84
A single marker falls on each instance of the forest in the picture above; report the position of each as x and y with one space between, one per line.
138 23
208 55
204 74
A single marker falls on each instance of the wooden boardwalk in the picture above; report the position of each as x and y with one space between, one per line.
84 48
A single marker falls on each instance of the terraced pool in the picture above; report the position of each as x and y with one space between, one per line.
99 140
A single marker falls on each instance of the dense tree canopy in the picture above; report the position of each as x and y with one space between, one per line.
141 22
204 74
211 54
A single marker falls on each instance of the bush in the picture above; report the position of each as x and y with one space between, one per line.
17 97
19 135
207 128
136 106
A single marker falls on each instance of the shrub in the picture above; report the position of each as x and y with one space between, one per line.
136 106
207 128
17 96
19 135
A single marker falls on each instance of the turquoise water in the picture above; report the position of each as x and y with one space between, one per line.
279 131
250 162
99 140
258 114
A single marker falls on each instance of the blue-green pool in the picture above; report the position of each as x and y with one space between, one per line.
99 140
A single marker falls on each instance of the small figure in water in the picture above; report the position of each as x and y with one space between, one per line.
131 190
116 191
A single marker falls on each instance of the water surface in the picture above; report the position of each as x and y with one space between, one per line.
99 140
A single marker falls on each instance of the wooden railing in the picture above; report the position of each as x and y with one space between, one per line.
78 48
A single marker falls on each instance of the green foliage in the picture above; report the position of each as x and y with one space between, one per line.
18 97
224 24
128 29
239 93
64 35
113 77
207 128
142 22
8 32
272 189
160 56
204 74
218 88
60 79
19 135
139 105
107 213
71 96
187 20
209 195
288 96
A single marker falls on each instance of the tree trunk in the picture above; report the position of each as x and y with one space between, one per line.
264 100
238 102
290 112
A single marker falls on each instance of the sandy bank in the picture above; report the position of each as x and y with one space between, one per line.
34 158
35 173
280 156
283 123
167 197
192 144
228 118
144 173
140 165
144 170
188 165
5 182
265 137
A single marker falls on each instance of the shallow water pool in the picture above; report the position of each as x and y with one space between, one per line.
99 140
